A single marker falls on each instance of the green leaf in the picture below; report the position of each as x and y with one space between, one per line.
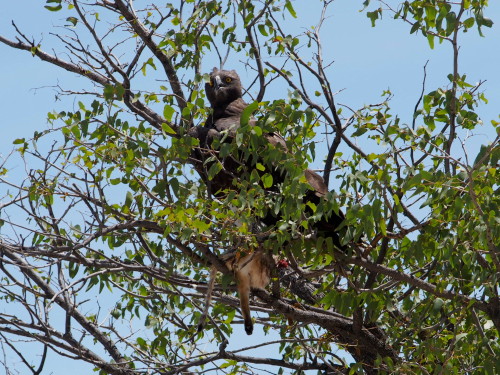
73 269
228 363
75 130
488 22
415 27
176 21
430 39
451 22
34 50
247 113
267 180
174 183
129 198
482 152
151 63
289 7
109 92
257 130
119 91
373 16
437 305
49 199
383 227
201 225
430 15
53 8
72 20
167 129
142 343
469 22
262 29
214 169
168 112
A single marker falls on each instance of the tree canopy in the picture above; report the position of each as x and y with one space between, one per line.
112 203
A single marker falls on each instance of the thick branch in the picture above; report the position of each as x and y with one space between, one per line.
414 281
363 345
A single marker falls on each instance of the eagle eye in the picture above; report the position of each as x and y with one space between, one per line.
228 79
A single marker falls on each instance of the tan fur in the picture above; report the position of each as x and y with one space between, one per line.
252 271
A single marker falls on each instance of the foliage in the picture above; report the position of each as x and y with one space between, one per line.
112 206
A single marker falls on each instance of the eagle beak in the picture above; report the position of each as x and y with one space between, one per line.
217 83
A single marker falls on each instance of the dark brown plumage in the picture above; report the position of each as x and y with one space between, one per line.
224 93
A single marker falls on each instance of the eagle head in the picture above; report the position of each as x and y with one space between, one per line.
223 87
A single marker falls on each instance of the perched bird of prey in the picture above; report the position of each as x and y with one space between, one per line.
224 92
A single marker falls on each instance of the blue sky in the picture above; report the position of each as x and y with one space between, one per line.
367 62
